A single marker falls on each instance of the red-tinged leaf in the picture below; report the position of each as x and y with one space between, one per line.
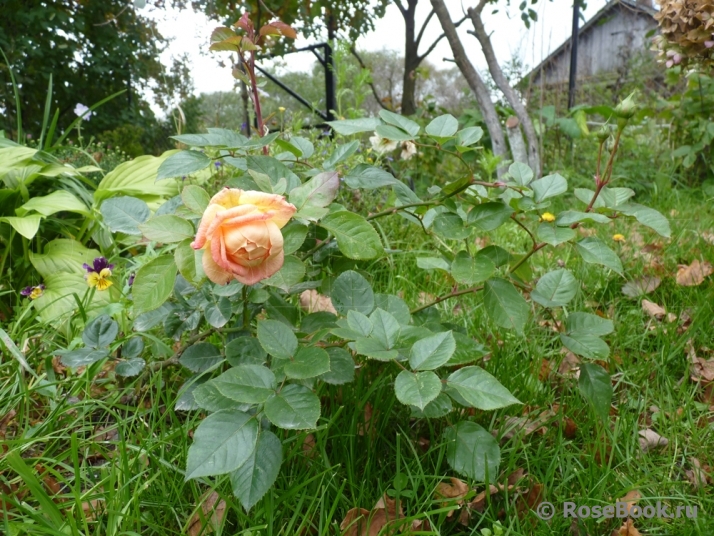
269 29
285 29
245 23
221 34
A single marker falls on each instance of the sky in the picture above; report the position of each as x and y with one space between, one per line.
189 33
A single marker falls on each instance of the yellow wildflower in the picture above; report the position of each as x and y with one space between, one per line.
547 217
618 237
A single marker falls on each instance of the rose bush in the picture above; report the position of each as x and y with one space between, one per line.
240 233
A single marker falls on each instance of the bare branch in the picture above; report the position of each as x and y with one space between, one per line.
479 8
433 45
423 27
401 6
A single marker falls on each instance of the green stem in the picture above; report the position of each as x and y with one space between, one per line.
440 299
246 315
536 247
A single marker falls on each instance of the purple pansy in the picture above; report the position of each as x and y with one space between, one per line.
131 279
26 291
33 292
98 265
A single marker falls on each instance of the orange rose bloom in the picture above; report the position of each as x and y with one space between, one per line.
240 235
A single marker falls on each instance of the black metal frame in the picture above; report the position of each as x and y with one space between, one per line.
328 63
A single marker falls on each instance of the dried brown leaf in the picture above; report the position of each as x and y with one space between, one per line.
457 489
355 522
570 366
478 503
209 517
694 274
641 286
628 529
631 498
697 476
649 439
655 311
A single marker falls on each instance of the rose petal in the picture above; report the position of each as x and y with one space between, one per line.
264 270
214 272
280 210
208 216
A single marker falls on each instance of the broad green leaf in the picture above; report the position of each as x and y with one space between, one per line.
132 348
489 216
394 305
274 169
467 350
222 443
417 389
354 126
100 332
549 186
153 284
400 121
200 357
292 272
351 291
137 178
249 384
443 126
166 229
468 136
295 407
256 476
613 198
125 214
319 191
385 328
437 408
498 256
342 367
57 201
294 234
208 397
277 339
359 323
587 323
83 357
586 345
595 386
369 177
468 271
58 301
342 152
393 133
450 226
550 234
305 146
63 255
568 217
356 238
185 258
130 367
648 217
309 361
375 349
195 198
181 164
432 263
505 305
555 289
26 226
430 353
480 389
594 250
521 173
473 452
245 350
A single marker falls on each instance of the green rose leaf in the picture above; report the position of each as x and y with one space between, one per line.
595 386
195 198
181 164
255 477
505 305
431 352
443 126
308 362
342 367
200 357
587 323
153 284
166 228
594 250
356 238
469 271
480 389
295 407
489 216
248 384
472 451
555 289
417 389
125 214
100 332
245 350
549 186
277 339
550 234
586 345
351 291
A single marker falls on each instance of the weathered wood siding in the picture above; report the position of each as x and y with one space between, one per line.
604 47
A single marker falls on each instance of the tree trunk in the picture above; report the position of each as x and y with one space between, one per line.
505 87
483 98
411 60
515 140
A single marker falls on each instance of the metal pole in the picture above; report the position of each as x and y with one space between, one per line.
330 100
574 54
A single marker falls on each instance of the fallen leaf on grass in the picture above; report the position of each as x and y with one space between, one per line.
655 311
694 274
93 508
631 498
366 427
708 237
570 366
638 287
362 522
525 426
355 522
697 476
209 517
628 529
530 500
650 439
478 503
456 490
702 370
425 297
312 301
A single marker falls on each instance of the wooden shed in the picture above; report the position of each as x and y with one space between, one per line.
618 32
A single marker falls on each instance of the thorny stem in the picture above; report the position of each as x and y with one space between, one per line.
440 299
246 316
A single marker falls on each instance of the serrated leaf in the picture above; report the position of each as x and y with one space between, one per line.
593 250
100 332
359 323
648 217
166 229
568 217
295 407
319 191
417 389
395 306
309 361
351 291
385 328
245 350
450 226
195 198
587 323
153 284
472 451
130 367
595 386
181 164
83 357
550 234
291 273
521 173
219 313
294 234
342 367
249 384
200 357
468 270
586 345
468 136
221 444
443 126
369 177
393 133
489 216
555 289
400 121
480 389
342 152
277 339
549 186
375 349
125 214
432 352
432 263
354 126
437 408
356 238
505 305
256 476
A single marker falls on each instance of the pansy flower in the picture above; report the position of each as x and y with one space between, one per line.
33 292
99 273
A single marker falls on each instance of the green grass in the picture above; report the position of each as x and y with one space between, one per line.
121 444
